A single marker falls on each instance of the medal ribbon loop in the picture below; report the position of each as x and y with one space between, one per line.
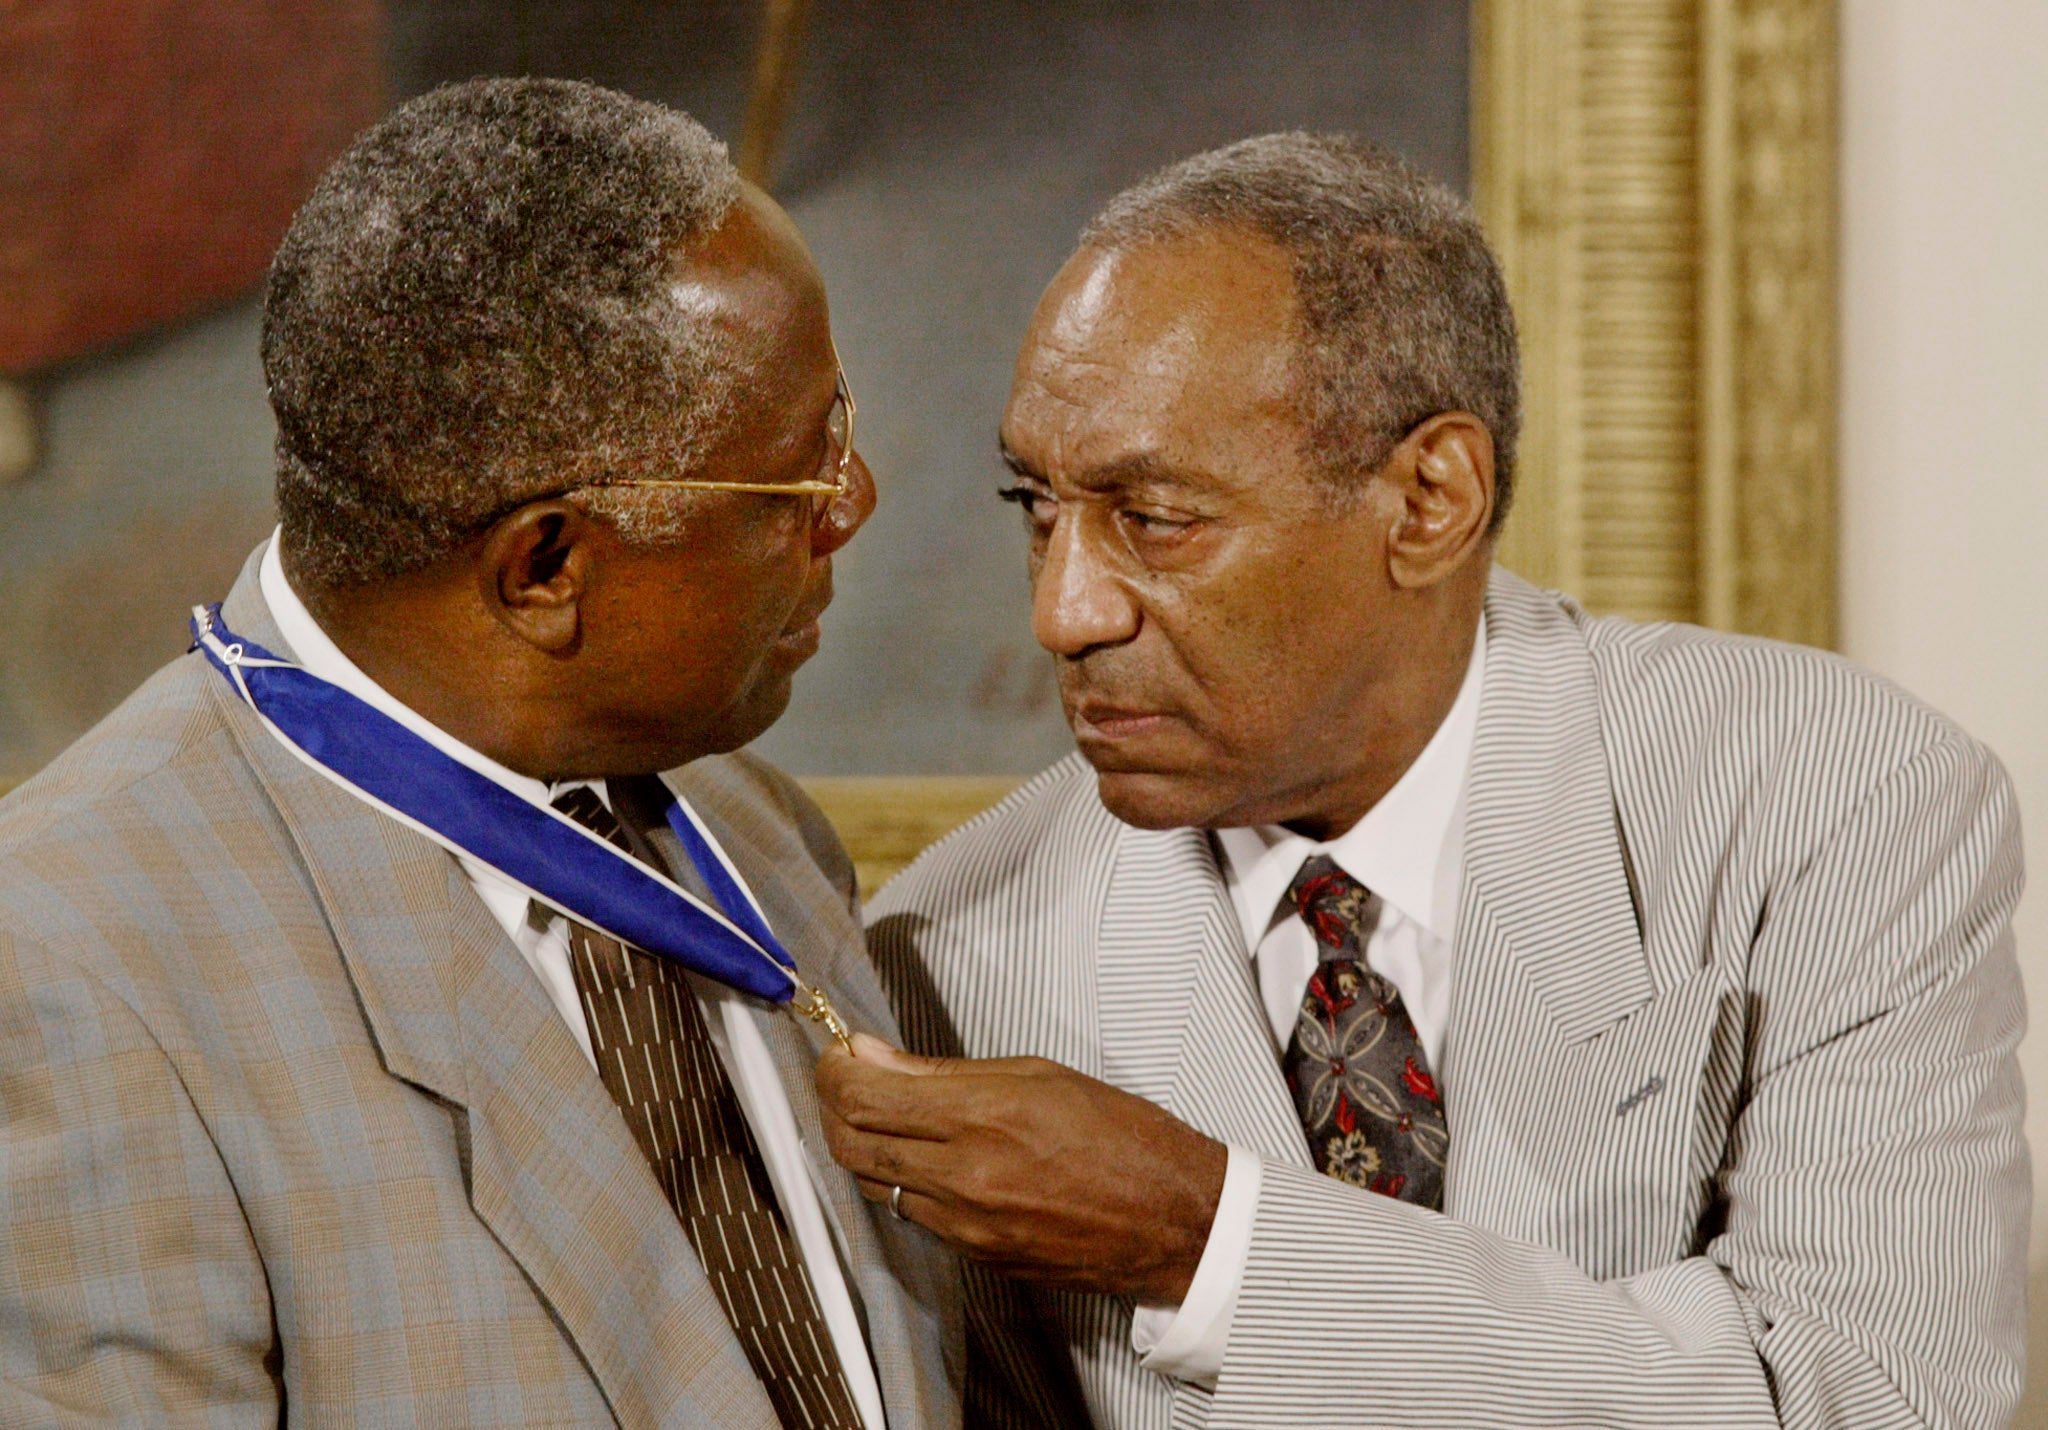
552 857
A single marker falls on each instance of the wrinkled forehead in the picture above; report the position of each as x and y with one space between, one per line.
1167 336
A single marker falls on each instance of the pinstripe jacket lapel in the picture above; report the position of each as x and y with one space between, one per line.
1544 870
553 1170
1181 1023
1180 1017
1570 1076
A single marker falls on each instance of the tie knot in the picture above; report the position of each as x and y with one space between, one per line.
583 805
1332 903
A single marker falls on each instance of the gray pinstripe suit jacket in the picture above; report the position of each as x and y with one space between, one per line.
285 1117
1734 1111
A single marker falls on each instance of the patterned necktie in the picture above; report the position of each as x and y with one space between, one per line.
1360 1078
657 1060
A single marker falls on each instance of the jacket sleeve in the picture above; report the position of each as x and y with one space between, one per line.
130 1291
1863 1260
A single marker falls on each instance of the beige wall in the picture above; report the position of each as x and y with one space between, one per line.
1944 489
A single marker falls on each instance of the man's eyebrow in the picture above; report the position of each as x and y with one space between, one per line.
1136 470
1014 462
1142 469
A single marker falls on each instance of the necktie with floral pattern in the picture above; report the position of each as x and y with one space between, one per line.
1359 1076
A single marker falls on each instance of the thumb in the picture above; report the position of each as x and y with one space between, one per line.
870 1049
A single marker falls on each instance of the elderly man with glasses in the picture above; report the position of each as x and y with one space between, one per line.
384 1037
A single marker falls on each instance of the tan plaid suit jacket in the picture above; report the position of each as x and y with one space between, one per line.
288 1129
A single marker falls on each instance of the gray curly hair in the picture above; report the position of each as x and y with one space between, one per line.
1403 308
468 313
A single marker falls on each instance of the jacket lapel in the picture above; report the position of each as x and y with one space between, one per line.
1543 852
1180 1017
552 1168
906 1286
1549 953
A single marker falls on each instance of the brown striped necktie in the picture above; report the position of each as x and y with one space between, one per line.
657 1060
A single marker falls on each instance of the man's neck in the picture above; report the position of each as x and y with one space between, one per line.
1378 763
405 638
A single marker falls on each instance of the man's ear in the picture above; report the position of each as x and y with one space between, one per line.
1443 472
536 565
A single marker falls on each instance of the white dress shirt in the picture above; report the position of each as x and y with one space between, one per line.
1409 849
727 1015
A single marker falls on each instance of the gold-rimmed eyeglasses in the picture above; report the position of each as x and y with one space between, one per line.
838 435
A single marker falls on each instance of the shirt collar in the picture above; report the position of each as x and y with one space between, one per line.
1408 849
320 656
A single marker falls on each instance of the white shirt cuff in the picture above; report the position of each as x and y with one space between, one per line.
1187 1342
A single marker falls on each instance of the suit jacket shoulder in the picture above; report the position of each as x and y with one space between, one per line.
1668 691
156 728
1026 835
1666 687
1757 756
89 846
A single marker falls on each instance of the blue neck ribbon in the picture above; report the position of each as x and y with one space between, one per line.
556 860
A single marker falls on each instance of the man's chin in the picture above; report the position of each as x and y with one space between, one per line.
735 727
764 705
1154 799
1151 776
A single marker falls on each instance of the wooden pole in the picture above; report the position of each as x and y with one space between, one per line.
775 63
20 433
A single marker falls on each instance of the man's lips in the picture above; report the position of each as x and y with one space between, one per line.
801 640
800 637
1100 721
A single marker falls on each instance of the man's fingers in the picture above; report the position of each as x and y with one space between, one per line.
865 1093
889 1161
1027 1166
911 1206
870 1049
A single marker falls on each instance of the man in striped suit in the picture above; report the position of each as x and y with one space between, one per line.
323 1099
1421 1003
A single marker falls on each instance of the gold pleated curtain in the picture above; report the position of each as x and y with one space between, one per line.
1659 179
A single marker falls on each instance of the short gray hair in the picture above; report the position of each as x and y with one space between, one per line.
468 313
1403 308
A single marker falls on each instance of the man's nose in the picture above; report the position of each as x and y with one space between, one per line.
1077 603
847 512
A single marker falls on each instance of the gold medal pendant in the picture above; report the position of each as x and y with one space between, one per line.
814 1005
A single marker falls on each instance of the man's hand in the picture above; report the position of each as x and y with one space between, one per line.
1027 1166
